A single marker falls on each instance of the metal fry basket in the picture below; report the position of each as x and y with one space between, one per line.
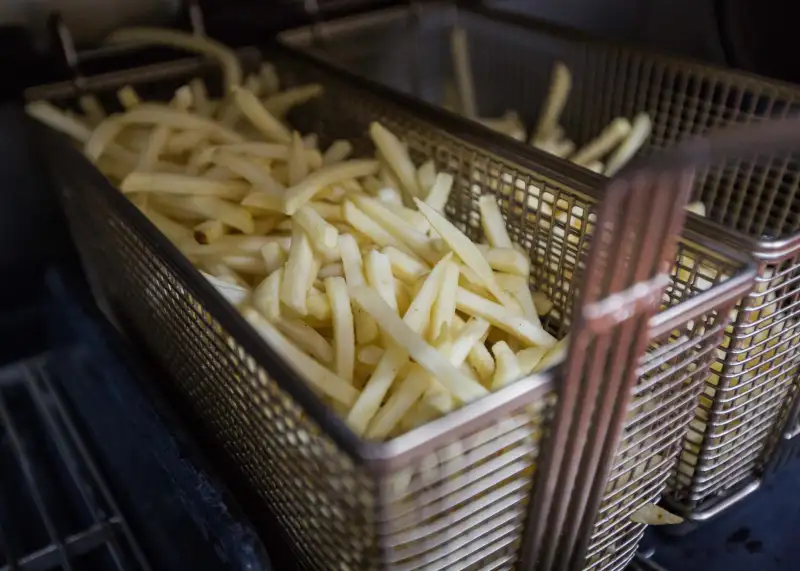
743 414
456 493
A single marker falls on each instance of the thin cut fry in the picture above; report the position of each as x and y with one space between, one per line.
281 103
92 109
499 316
440 192
529 358
297 272
267 296
209 231
378 270
560 85
298 167
319 377
367 226
401 401
153 114
182 184
426 175
306 338
200 44
599 147
397 156
509 260
337 152
324 236
343 330
554 356
55 118
494 227
128 97
328 175
366 329
274 256
369 355
214 208
444 308
430 359
463 72
235 294
260 118
507 367
542 303
639 133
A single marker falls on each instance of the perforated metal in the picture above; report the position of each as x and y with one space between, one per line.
750 203
452 494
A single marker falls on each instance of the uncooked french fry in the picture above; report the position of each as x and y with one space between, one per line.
55 118
235 294
542 303
298 167
259 117
499 316
297 272
214 208
367 226
529 358
369 355
507 368
697 208
182 184
651 514
366 329
337 152
324 237
128 97
639 133
607 140
464 388
378 270
306 338
280 103
343 329
328 175
508 260
426 175
274 256
444 308
267 296
440 191
153 114
560 85
463 71
209 231
494 227
554 356
319 377
408 393
397 157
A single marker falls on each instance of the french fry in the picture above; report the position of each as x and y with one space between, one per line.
555 355
507 368
214 208
324 237
306 338
281 103
235 294
128 97
560 85
607 140
464 388
297 272
153 114
529 358
337 152
209 231
249 170
651 514
369 355
183 185
298 167
343 329
273 255
328 175
440 191
459 50
404 232
397 157
508 260
366 329
494 227
444 308
267 296
542 303
200 44
92 109
426 175
639 133
266 123
319 306
368 227
270 82
406 395
697 208
53 117
526 331
415 319
322 379
378 271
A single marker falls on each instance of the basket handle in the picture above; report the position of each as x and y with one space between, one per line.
628 268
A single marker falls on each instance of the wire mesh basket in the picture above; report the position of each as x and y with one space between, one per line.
749 203
455 493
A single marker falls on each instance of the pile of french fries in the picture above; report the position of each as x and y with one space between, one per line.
346 266
607 153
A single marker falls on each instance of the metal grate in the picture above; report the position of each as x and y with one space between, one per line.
55 511
746 402
348 504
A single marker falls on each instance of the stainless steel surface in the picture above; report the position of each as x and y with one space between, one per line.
751 201
453 493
